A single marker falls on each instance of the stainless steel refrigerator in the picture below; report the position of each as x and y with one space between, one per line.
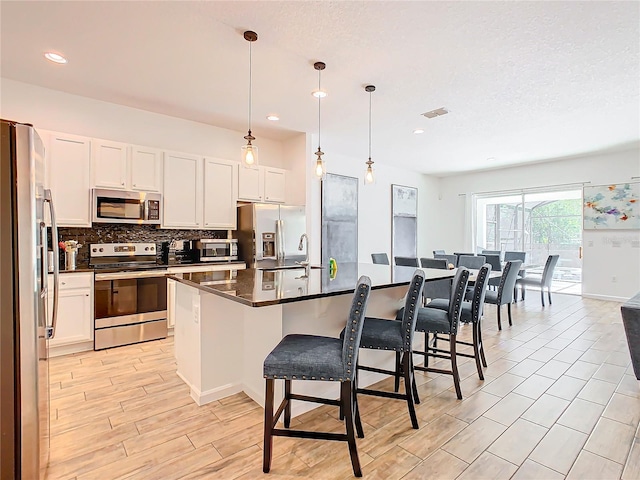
270 234
24 326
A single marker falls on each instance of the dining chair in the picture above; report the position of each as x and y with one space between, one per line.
380 258
438 252
491 252
505 293
471 313
406 262
436 288
451 259
385 334
512 255
473 262
543 281
464 253
426 262
319 358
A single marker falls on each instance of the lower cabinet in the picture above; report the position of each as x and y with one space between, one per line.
74 327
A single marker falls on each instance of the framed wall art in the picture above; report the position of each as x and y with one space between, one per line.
615 206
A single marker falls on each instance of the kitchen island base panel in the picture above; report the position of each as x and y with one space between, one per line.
221 345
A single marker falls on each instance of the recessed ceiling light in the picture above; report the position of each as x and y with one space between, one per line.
273 118
55 57
319 93
418 131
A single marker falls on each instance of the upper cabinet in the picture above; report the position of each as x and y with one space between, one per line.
109 164
220 193
182 191
125 167
68 160
261 184
146 168
274 185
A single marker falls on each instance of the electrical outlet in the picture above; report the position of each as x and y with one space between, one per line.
614 279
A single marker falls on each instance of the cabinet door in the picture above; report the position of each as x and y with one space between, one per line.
182 191
75 309
274 185
109 164
69 160
220 193
146 169
250 181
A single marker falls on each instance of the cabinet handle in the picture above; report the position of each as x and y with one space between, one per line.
63 283
122 184
135 185
86 294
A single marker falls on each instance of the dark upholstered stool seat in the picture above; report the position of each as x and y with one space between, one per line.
433 320
381 334
443 304
306 357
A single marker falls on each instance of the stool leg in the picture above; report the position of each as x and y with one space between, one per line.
356 408
509 313
268 426
499 322
549 289
416 398
482 357
396 385
345 400
287 408
454 366
476 349
406 365
542 295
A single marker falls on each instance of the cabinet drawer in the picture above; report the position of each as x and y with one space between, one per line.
70 281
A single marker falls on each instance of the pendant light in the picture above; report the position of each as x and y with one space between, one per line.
320 169
369 176
250 151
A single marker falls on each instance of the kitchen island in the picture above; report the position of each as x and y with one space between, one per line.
225 328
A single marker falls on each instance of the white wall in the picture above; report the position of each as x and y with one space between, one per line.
374 204
63 112
607 254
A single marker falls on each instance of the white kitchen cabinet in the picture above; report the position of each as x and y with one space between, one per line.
183 197
146 168
261 184
68 161
74 327
171 303
220 193
274 185
109 164
250 183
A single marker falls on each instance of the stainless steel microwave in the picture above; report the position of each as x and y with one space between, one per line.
216 250
121 206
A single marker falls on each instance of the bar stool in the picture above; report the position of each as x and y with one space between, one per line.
471 312
313 357
384 334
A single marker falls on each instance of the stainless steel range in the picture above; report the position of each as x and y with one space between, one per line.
130 294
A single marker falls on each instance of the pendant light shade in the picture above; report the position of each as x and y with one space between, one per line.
369 174
249 151
320 169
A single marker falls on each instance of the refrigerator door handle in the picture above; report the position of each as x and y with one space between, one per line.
51 329
279 240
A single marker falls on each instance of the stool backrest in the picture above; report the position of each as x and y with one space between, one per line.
413 300
406 261
493 260
439 252
508 281
458 289
549 267
508 256
353 330
452 259
491 252
479 292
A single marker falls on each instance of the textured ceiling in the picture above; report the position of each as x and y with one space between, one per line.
524 81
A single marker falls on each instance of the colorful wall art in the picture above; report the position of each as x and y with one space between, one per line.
612 206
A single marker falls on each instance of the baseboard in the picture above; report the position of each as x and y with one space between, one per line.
208 396
60 350
607 298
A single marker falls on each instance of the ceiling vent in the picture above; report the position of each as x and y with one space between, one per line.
436 113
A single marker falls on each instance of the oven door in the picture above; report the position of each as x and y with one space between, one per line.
129 307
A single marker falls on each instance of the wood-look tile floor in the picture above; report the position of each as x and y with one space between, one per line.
559 400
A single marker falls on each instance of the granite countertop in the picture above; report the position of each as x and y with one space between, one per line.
259 288
83 267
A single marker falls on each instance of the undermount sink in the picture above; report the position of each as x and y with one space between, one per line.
287 267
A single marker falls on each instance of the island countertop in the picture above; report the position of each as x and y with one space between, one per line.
259 288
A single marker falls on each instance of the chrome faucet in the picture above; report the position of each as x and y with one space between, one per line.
306 242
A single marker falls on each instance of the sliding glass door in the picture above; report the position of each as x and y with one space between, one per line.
540 223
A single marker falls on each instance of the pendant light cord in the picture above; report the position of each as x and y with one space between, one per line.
370 125
319 98
250 86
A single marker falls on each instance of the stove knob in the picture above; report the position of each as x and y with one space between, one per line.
153 248
94 250
146 249
101 249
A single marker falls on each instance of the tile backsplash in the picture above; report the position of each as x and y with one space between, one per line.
121 233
